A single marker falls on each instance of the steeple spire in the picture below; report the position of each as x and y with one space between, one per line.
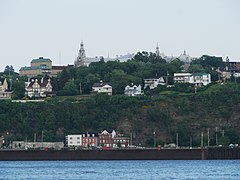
81 56
157 50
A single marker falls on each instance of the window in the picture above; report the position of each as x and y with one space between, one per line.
78 142
70 138
70 142
78 137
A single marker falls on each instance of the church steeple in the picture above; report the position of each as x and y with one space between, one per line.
157 50
81 56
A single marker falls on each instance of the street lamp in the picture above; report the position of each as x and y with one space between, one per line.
154 139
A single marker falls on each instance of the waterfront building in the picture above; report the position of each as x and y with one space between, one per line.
153 82
121 141
102 88
133 90
36 145
38 87
89 139
106 138
74 140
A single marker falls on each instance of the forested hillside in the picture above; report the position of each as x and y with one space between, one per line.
183 109
187 115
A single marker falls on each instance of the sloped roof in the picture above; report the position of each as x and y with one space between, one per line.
101 84
34 68
199 74
39 81
41 59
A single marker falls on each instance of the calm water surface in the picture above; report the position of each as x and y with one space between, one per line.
119 170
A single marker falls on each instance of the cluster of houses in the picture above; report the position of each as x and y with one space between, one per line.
103 139
87 140
42 87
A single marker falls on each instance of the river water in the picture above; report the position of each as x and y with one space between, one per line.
124 170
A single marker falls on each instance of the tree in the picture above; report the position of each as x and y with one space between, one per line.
9 70
70 88
64 77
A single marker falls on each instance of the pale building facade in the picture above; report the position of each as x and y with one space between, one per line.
197 79
74 140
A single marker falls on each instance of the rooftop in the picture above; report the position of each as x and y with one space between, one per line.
41 59
34 68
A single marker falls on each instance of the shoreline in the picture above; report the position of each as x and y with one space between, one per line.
121 154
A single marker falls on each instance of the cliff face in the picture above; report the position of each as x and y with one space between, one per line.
188 117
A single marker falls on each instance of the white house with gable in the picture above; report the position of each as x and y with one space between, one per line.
38 87
133 90
102 88
153 82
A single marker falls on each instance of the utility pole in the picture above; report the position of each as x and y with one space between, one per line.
42 139
131 138
208 134
34 140
177 140
216 131
154 139
167 79
190 142
202 140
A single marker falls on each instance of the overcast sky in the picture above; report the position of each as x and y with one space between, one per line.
33 28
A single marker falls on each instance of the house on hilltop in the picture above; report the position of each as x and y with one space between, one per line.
5 92
38 87
102 88
153 82
133 90
197 79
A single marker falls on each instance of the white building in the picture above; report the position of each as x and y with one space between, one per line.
153 82
193 78
200 79
102 88
185 57
182 77
37 145
74 140
38 87
133 90
81 58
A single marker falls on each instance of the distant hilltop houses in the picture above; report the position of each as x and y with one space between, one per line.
182 57
43 66
82 60
37 87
